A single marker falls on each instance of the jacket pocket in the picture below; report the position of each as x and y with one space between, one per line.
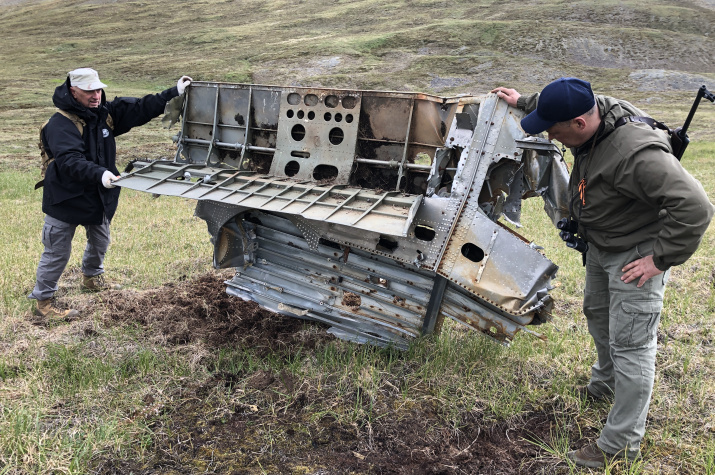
637 322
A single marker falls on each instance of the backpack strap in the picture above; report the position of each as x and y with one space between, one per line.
646 120
76 120
677 143
46 158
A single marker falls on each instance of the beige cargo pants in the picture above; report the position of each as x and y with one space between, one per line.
623 321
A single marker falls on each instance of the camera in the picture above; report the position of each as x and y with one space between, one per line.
569 229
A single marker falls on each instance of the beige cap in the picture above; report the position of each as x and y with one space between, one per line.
86 79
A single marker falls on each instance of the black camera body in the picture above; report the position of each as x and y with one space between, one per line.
568 234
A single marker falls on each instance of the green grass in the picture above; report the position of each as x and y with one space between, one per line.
65 402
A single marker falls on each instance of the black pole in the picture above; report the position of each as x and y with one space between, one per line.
683 140
701 93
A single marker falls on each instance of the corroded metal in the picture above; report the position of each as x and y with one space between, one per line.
379 213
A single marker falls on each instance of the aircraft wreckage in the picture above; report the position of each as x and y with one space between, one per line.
374 212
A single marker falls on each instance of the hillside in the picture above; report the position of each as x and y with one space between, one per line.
656 54
431 46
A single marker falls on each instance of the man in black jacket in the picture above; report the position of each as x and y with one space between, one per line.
78 188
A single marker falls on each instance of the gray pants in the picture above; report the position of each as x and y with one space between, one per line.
57 239
623 321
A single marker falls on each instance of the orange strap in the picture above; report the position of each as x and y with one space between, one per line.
582 191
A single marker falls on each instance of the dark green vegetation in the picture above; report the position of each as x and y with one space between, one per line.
173 376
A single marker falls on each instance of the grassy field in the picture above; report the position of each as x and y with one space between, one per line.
126 389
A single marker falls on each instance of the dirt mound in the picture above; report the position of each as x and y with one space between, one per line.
201 310
265 421
235 443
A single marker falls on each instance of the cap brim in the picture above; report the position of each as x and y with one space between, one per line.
533 124
93 86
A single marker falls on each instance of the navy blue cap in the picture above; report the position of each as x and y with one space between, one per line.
562 100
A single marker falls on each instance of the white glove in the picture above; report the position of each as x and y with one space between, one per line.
183 82
107 179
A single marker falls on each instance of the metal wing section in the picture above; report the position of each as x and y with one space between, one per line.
386 212
376 212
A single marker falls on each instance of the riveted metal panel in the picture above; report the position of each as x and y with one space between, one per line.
383 235
317 133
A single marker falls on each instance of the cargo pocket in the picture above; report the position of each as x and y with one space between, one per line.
47 235
58 238
637 322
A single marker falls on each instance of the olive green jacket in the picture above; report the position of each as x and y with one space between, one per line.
636 191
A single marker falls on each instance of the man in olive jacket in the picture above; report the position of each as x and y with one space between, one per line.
641 213
78 188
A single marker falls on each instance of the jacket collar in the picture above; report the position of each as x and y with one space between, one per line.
610 110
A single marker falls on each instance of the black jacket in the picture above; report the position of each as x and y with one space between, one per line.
73 190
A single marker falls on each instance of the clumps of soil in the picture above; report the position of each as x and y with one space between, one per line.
247 438
200 310
268 421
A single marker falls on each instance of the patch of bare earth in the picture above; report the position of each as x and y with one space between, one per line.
272 422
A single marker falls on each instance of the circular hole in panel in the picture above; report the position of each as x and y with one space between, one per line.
297 132
311 115
328 116
349 102
293 98
300 114
472 252
311 99
325 172
292 168
349 118
331 101
336 135
424 233
338 117
289 114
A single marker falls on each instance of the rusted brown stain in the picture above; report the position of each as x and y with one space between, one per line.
346 253
351 300
489 327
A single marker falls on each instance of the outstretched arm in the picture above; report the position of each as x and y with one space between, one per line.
129 112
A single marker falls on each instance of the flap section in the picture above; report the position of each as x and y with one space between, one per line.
383 212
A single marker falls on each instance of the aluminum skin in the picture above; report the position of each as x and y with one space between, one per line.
377 213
